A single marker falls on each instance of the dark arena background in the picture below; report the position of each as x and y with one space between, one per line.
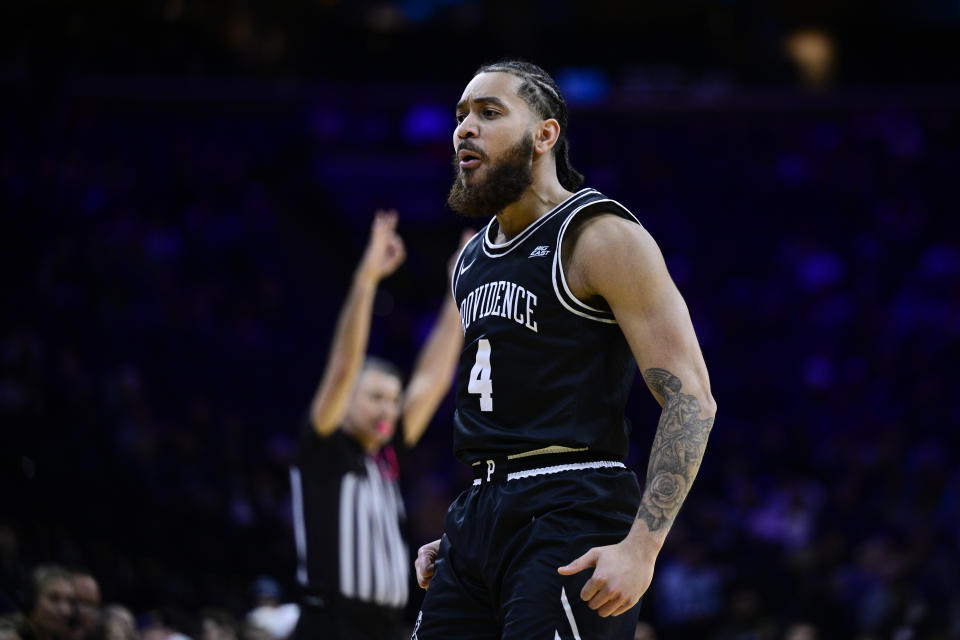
186 188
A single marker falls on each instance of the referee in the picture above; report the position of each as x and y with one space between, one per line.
352 557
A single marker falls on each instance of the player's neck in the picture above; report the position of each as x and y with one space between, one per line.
534 203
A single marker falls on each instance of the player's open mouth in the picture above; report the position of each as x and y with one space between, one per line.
468 159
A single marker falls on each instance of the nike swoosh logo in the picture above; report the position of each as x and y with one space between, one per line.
462 269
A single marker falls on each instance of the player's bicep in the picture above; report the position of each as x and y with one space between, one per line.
662 338
627 269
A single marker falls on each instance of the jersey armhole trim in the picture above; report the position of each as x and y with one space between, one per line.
455 274
560 287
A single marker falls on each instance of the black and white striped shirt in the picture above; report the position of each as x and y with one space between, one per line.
347 515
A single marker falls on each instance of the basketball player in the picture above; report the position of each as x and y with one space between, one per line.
560 297
353 561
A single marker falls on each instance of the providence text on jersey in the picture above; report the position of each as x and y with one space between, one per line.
500 298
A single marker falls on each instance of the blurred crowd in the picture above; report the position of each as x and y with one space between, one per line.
172 265
376 40
62 604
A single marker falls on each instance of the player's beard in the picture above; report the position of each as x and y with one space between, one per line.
505 183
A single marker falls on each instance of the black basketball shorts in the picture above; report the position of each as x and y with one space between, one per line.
496 574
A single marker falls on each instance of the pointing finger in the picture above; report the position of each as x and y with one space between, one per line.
587 560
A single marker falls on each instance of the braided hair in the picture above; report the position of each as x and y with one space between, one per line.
543 96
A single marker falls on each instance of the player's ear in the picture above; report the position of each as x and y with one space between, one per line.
546 135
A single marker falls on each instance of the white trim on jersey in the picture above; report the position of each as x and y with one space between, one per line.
569 612
581 313
586 310
455 274
557 468
299 526
504 248
557 267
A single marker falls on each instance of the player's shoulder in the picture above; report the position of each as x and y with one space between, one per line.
604 231
603 247
603 221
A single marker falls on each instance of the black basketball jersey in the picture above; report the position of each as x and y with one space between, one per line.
539 368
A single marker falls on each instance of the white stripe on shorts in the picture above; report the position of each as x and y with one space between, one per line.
566 607
557 468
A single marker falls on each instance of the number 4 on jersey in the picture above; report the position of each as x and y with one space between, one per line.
480 381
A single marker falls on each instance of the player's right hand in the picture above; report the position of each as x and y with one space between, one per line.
425 563
385 251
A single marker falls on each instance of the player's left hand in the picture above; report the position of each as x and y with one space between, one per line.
425 563
622 573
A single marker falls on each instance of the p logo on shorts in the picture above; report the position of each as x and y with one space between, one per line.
491 465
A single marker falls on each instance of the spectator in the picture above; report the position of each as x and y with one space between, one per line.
166 624
50 605
218 625
801 631
117 623
8 629
269 614
87 593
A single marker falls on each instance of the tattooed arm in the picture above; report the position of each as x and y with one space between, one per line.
619 261
677 450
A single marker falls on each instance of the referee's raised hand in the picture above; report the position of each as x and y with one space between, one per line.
385 251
